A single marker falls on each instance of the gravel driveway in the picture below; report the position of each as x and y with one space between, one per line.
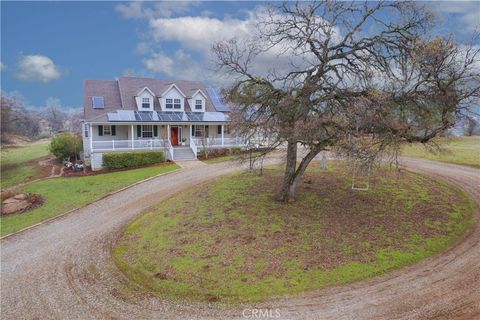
63 269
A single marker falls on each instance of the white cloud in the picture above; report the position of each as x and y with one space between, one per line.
138 9
195 36
132 10
468 12
37 68
143 48
159 62
199 33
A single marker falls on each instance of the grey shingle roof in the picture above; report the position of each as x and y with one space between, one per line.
120 93
106 88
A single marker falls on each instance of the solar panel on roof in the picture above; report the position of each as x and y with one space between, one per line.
112 117
125 115
97 102
166 116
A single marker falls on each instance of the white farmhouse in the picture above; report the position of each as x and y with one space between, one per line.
132 114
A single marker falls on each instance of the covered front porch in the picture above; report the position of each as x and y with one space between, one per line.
108 137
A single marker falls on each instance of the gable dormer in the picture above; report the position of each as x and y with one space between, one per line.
173 99
198 101
144 99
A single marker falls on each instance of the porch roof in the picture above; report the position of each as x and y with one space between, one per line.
165 116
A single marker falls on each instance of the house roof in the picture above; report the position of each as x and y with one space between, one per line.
143 89
129 86
120 94
106 88
173 85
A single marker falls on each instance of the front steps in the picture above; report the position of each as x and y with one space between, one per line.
183 153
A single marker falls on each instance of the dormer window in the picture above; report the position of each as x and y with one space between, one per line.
144 99
198 105
146 103
169 103
177 104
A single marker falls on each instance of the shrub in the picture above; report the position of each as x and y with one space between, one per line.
66 146
218 152
116 160
236 150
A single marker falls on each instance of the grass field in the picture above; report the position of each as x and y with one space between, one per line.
457 150
18 163
64 194
230 241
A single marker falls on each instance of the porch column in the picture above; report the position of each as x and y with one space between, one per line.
168 133
133 135
222 136
91 138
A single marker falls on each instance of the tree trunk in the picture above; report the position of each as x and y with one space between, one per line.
290 168
292 177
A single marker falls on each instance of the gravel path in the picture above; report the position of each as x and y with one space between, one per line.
63 269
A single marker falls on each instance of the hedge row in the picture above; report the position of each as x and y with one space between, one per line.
119 160
218 152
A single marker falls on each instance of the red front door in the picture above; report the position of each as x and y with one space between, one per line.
174 134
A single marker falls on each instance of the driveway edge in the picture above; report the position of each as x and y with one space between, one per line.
81 207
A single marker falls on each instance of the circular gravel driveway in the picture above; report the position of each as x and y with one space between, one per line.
63 269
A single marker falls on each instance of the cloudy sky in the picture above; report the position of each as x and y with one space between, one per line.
49 48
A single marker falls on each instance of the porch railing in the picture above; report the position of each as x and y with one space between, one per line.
193 146
126 145
169 149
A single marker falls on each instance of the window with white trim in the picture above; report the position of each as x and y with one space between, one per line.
169 103
145 103
200 131
107 130
147 131
85 130
177 104
198 105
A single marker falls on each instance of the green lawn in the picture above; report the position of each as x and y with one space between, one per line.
17 155
17 163
457 150
17 175
64 194
230 241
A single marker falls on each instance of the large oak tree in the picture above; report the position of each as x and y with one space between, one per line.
358 78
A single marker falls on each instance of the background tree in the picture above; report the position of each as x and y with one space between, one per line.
56 117
471 126
66 146
17 120
359 77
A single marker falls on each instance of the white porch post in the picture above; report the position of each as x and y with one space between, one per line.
91 139
222 136
131 127
168 133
